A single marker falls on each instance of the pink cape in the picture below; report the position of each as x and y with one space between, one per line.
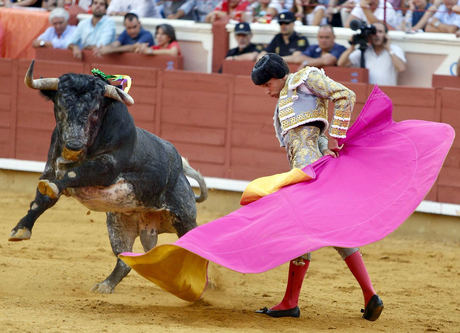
383 173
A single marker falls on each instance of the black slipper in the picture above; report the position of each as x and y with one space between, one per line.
373 308
294 312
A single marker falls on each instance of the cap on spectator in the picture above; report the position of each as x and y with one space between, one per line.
242 28
286 17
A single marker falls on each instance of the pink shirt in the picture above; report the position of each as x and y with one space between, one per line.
170 46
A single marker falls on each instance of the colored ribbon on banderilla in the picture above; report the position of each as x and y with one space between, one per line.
116 79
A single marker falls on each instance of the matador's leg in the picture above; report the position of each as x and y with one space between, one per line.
373 305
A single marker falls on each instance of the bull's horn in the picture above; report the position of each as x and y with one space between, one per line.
42 84
118 94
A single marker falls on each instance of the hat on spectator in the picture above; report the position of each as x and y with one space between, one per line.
286 17
242 28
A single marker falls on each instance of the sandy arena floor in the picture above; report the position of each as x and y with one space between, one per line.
46 281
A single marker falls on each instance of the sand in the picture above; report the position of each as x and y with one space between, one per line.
46 281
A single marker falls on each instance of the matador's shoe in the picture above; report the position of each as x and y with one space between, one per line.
294 312
373 308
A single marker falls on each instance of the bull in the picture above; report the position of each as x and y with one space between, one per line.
98 156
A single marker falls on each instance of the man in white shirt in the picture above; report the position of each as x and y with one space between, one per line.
372 11
446 19
383 59
60 34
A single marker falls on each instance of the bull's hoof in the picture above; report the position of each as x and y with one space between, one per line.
102 288
45 187
20 235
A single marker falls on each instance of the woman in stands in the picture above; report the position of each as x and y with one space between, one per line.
166 42
309 12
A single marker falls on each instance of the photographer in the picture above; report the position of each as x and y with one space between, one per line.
383 59
373 11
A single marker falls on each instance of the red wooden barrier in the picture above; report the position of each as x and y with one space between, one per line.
222 123
440 81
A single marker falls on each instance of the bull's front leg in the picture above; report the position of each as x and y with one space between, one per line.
100 171
23 230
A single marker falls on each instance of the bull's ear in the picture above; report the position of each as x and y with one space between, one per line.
50 94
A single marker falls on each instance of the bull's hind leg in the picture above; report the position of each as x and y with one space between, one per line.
183 206
122 233
23 230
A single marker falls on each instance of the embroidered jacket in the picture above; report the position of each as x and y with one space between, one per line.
304 99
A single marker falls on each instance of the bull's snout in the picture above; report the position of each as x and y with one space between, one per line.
72 153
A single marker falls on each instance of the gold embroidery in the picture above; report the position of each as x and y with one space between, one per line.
302 146
298 77
302 119
286 113
340 123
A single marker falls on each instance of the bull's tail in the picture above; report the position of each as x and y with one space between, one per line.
192 173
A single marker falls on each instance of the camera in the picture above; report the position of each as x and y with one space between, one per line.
362 37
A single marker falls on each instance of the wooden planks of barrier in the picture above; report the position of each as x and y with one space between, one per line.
222 123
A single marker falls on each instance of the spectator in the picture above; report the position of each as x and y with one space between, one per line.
199 9
445 19
333 11
85 5
129 39
285 5
288 44
372 11
418 10
172 10
245 49
309 12
98 30
23 3
345 9
52 4
166 42
142 8
383 59
325 53
228 9
263 11
60 34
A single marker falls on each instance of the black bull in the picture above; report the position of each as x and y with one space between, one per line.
98 156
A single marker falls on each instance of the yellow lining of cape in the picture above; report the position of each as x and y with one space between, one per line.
174 269
263 186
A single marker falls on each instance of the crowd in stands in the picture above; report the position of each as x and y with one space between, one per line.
383 59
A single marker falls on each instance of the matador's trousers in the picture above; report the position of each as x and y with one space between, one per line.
304 145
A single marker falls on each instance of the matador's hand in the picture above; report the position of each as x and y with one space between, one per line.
331 153
334 146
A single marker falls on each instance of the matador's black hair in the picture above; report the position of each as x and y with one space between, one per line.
268 67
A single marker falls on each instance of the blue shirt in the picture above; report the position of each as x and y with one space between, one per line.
314 51
101 34
417 15
144 36
58 42
447 18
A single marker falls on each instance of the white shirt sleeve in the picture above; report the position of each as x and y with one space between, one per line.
358 13
355 58
398 52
